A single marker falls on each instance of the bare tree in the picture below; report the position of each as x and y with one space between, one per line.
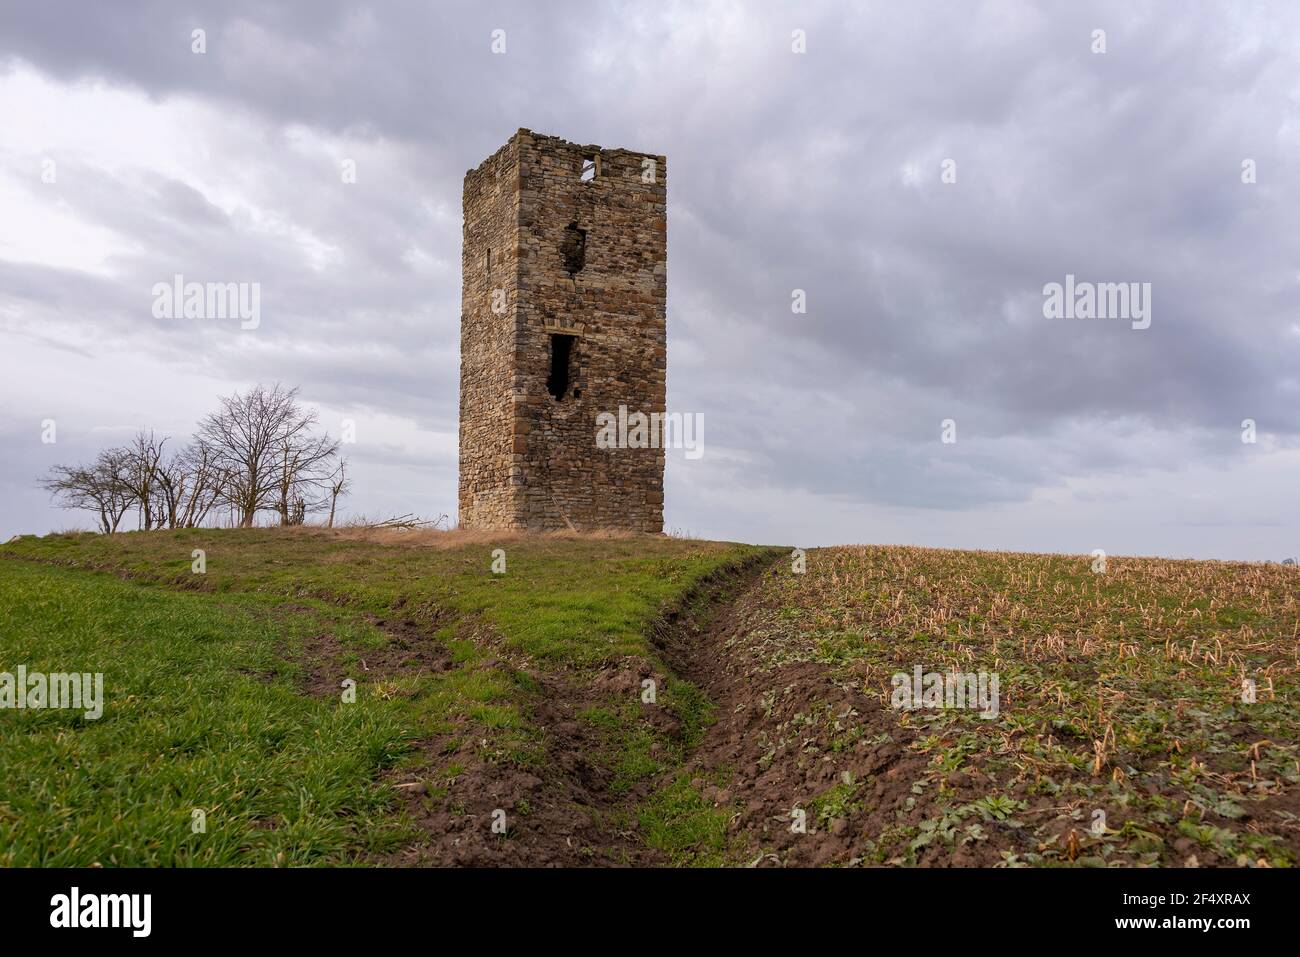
257 452
142 458
263 447
339 484
190 485
306 465
103 487
173 484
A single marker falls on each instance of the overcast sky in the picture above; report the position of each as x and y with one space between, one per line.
821 171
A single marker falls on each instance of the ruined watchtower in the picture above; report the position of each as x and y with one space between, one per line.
563 300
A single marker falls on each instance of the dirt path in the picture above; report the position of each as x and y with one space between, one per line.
572 810
787 737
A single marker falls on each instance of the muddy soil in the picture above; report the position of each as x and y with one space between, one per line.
788 733
567 811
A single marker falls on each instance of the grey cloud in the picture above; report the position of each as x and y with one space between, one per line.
785 172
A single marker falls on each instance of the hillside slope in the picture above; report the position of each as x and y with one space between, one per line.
481 699
640 700
1122 736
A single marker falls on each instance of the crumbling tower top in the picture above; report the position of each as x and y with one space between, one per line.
563 300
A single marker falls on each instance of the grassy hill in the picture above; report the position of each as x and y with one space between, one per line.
639 700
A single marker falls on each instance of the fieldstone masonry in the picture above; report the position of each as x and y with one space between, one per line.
564 289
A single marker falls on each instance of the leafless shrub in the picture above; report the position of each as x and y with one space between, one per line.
257 453
339 484
103 488
142 456
190 484
262 444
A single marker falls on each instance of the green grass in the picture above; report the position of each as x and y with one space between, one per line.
686 827
282 778
210 702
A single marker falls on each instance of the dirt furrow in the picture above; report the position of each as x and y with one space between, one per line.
572 808
809 766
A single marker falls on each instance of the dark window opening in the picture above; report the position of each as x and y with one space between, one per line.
557 383
574 248
589 168
489 261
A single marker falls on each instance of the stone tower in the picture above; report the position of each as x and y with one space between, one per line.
563 299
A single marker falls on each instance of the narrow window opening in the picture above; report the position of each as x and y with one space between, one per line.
561 354
589 168
489 261
574 248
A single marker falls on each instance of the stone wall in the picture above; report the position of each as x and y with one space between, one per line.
587 260
487 337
